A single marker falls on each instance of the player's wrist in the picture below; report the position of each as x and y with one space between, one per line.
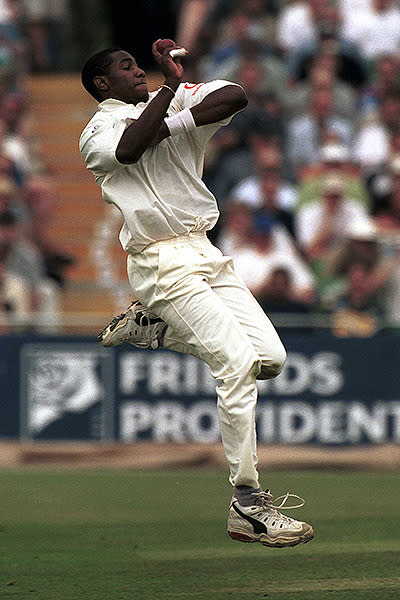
172 83
181 122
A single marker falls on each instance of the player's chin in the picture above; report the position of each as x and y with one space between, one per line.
142 92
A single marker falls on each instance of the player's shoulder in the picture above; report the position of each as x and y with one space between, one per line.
189 88
189 93
107 112
91 127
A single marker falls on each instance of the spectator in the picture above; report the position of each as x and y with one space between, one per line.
334 159
193 15
298 23
10 197
45 29
380 182
229 155
279 296
233 39
322 226
375 31
9 67
365 243
235 231
353 8
357 312
260 74
385 78
227 160
25 290
308 132
388 218
358 242
232 25
265 84
322 222
15 136
269 246
373 140
14 155
266 190
388 224
322 75
329 46
15 114
39 196
13 44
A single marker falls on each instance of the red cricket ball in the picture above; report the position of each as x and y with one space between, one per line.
162 45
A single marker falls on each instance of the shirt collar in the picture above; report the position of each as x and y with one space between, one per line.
112 103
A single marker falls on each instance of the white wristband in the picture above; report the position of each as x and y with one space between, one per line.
182 122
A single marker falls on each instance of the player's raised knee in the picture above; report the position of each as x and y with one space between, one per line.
272 366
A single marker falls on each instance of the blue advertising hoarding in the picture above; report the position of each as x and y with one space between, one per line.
332 391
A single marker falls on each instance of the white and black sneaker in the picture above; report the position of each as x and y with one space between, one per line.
263 522
136 325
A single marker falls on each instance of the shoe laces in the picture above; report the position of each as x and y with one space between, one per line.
264 499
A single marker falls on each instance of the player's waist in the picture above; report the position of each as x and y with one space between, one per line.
190 235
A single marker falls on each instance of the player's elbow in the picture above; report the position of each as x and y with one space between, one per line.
127 156
239 98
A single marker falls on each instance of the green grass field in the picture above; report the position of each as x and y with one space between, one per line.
109 535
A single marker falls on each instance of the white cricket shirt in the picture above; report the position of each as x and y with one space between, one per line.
162 195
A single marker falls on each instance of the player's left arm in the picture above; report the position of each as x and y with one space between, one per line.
218 105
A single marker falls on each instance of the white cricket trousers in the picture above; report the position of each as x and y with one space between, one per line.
212 315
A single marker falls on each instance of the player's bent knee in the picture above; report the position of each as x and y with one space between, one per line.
273 366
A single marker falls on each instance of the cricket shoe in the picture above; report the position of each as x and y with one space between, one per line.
263 522
136 325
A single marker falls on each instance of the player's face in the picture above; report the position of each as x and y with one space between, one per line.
125 80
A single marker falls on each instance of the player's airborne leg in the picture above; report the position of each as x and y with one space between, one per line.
253 516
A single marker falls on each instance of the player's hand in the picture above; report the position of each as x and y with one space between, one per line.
170 67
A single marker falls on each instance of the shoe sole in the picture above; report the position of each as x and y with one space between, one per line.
280 541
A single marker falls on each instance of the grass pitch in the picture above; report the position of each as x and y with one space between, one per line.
105 535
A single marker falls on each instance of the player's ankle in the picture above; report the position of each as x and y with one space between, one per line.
245 494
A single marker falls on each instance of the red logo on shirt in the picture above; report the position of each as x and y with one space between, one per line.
193 86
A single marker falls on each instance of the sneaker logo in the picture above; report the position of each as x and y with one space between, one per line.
143 320
258 526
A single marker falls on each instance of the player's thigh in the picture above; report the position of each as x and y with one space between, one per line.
240 301
210 328
177 290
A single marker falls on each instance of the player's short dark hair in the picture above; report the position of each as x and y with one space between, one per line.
96 66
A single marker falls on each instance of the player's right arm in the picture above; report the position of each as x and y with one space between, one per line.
142 131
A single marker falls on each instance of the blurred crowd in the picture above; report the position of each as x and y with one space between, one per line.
308 176
32 266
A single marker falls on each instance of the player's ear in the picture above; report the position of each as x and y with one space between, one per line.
101 83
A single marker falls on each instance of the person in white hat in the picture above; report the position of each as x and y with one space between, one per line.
334 158
321 223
